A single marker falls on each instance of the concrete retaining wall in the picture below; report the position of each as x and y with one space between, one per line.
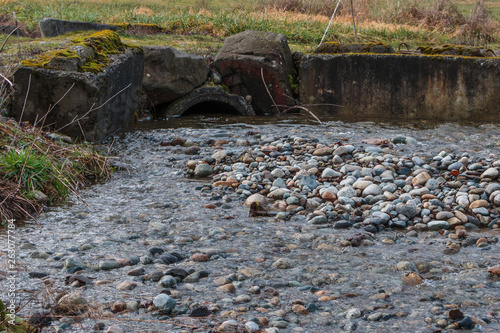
396 86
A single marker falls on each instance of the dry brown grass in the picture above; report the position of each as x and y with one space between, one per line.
145 11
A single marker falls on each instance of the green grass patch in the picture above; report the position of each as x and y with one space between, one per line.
37 169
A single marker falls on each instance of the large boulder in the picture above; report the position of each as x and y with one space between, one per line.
50 27
249 59
88 91
170 74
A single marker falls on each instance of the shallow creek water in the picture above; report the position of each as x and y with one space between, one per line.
151 203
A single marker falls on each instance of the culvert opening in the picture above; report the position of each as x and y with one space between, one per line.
211 108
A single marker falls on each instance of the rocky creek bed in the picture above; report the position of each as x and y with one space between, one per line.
355 227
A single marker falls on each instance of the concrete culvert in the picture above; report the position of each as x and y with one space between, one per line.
209 100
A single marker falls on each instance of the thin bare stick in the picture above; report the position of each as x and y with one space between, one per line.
6 79
18 40
268 92
329 23
53 106
303 108
6 39
354 22
25 100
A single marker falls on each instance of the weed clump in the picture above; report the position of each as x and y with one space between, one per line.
36 170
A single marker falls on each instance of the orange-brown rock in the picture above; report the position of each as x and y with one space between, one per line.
412 279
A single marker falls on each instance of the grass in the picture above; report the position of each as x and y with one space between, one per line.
36 170
200 25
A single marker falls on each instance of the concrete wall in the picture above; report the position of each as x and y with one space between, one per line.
402 86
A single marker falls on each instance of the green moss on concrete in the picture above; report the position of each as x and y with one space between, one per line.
335 47
103 43
44 60
457 50
140 28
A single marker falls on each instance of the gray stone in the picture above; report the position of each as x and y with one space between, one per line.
306 180
168 281
444 215
251 326
278 173
164 302
293 200
492 187
438 225
280 183
347 191
318 220
203 170
108 265
491 173
343 150
432 184
329 172
373 189
353 313
170 74
410 211
455 166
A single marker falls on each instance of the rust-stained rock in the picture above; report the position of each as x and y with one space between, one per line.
494 271
412 279
249 55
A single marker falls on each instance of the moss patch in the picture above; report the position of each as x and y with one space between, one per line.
103 43
334 48
47 59
457 50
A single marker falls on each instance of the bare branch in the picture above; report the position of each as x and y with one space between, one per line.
53 106
268 92
93 109
6 39
6 79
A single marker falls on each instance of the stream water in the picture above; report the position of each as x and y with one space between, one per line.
150 202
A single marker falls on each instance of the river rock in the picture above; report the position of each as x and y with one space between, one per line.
421 178
347 191
491 173
278 193
168 281
164 302
126 285
259 198
410 211
373 189
478 204
228 326
323 151
203 170
438 225
329 172
72 303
